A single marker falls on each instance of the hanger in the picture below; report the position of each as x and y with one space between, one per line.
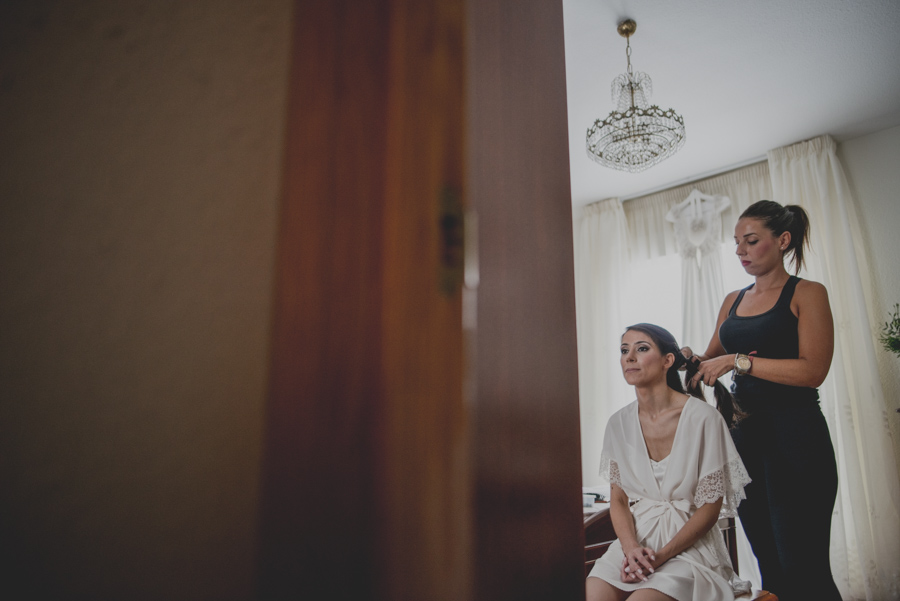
695 198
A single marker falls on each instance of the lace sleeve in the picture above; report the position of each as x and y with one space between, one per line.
727 484
609 471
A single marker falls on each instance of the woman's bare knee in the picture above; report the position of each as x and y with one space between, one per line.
597 589
649 594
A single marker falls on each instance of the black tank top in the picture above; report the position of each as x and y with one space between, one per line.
773 335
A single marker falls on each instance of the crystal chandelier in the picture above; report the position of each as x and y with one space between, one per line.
637 135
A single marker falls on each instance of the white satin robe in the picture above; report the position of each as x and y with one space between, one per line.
702 467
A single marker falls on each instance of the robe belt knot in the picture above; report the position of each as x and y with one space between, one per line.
651 508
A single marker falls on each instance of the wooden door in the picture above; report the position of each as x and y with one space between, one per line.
527 447
382 478
366 474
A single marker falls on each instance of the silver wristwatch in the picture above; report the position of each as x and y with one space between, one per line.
742 364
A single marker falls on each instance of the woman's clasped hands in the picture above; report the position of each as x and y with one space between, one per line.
638 564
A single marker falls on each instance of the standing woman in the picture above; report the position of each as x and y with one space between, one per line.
777 335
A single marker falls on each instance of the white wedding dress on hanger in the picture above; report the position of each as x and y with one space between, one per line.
698 233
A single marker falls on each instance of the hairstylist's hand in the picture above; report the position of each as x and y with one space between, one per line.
712 369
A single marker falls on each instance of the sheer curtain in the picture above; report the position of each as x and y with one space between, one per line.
646 215
865 546
601 259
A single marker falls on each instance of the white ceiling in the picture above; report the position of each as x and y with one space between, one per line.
747 76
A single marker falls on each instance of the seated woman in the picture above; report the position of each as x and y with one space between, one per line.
673 455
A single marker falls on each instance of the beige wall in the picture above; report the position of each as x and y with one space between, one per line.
139 181
871 165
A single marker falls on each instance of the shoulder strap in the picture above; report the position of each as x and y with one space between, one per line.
737 301
787 293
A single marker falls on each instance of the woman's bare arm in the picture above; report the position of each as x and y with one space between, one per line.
638 559
622 520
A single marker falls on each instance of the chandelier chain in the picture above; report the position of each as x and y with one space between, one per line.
628 58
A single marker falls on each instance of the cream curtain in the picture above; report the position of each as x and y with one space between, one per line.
651 235
865 542
601 258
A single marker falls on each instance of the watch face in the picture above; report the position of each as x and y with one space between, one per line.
744 363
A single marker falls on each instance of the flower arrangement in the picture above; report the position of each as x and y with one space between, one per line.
890 333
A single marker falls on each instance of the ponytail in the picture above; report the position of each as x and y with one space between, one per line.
799 230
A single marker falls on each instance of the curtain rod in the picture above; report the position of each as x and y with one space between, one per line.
696 178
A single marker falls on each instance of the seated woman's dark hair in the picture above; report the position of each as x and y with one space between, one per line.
664 340
779 219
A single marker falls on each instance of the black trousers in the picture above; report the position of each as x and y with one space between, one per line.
787 451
